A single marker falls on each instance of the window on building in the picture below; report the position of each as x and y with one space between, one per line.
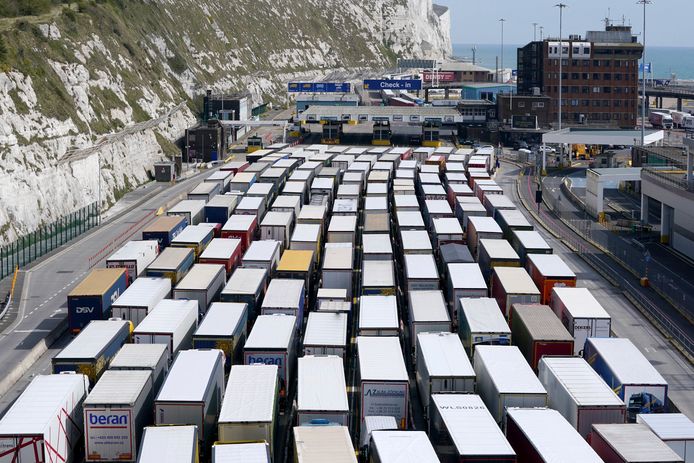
574 89
574 62
574 75
565 89
605 116
585 76
616 116
586 50
596 63
574 102
617 77
607 90
565 62
618 64
596 89
596 76
606 63
617 103
521 104
596 103
585 102
575 49
585 90
538 104
606 76
605 103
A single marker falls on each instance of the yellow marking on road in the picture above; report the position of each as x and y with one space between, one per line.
160 211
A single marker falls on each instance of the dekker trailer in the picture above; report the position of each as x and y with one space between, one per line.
44 424
93 297
322 391
134 257
582 315
140 298
115 412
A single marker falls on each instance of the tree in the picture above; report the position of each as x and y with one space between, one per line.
3 49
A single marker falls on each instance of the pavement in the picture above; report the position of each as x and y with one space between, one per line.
42 303
592 267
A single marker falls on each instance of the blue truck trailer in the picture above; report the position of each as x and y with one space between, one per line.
93 297
164 229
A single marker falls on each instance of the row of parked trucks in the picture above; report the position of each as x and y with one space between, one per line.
201 339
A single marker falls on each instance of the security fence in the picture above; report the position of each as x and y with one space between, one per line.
46 238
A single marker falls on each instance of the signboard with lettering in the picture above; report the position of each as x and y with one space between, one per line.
383 84
441 76
524 122
318 87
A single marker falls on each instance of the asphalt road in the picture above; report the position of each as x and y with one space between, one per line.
627 321
43 303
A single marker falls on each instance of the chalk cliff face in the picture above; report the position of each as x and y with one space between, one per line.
122 79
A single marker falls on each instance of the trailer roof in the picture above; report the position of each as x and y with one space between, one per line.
306 232
329 293
455 253
286 201
133 249
484 224
139 356
410 219
193 234
376 203
579 302
223 319
323 183
250 394
193 206
313 212
447 226
348 189
295 261
514 218
221 248
271 332
257 452
321 384
245 281
472 428
551 265
404 446
515 280
471 204
432 189
262 251
163 223
228 201
204 188
243 177
239 222
167 316
377 243
378 273
294 186
277 219
444 355
326 329
636 443
343 223
466 276
531 239
406 201
93 339
219 175
318 444
345 205
415 240
118 387
283 292
97 282
626 361
498 249
483 315
190 375
42 400
250 203
428 306
438 206
668 426
508 370
378 312
552 436
541 322
581 382
380 358
421 267
200 276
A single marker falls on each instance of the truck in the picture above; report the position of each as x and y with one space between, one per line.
427 313
378 316
287 203
273 341
463 280
192 392
481 322
421 273
90 352
675 429
249 408
342 229
257 452
157 444
538 332
243 227
467 207
192 210
140 298
153 358
383 380
625 369
581 314
338 267
221 177
92 298
223 328
630 443
242 181
276 226
224 251
195 237
246 285
318 444
326 334
510 220
463 430
306 236
115 412
219 208
203 284
660 120
513 285
529 242
321 391
204 191
409 220
172 263
378 278
45 422
442 366
504 379
415 242
496 253
164 228
548 271
297 265
448 230
263 254
285 296
388 446
497 203
543 435
377 246
480 228
134 257
171 322
576 391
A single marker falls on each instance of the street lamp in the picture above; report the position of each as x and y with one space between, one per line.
542 33
502 21
535 32
643 75
561 7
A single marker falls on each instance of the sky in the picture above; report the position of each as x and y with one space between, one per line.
668 22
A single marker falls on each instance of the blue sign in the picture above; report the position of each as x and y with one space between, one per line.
514 72
403 84
648 67
317 87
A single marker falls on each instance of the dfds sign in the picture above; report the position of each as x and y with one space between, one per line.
409 84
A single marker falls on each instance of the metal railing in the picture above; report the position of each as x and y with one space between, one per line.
669 175
46 238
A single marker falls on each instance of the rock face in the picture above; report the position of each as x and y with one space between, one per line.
122 80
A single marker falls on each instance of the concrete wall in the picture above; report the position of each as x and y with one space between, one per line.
682 202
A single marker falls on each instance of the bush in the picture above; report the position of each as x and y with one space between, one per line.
3 50
69 13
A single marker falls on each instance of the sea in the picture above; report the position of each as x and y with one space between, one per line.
665 61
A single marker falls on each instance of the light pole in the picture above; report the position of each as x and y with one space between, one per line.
561 7
502 21
542 33
643 75
535 32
